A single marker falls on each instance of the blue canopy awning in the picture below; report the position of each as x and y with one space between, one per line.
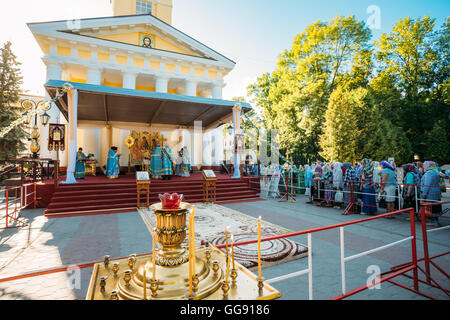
104 103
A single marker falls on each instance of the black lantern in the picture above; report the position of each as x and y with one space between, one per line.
45 118
230 129
27 118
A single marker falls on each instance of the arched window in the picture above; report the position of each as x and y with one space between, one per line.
143 7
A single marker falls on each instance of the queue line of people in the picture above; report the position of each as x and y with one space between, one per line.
373 184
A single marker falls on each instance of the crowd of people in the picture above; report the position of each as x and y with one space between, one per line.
371 185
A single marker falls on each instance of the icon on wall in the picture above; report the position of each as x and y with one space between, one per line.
146 40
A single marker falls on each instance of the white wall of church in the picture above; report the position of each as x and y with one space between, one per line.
212 147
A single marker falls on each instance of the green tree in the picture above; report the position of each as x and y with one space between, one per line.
10 81
413 60
437 145
294 97
355 128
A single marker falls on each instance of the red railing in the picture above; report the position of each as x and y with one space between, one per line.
16 199
309 232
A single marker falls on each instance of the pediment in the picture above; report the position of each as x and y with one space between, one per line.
129 31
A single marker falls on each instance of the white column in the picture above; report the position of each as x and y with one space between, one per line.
129 80
72 100
94 76
191 88
161 84
217 91
237 130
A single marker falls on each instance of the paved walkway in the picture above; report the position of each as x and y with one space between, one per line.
55 242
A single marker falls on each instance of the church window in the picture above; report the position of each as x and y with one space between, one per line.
143 7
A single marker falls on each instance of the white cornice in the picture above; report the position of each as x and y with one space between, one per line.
54 29
126 69
106 45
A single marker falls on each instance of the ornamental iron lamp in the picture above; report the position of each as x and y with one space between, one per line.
34 107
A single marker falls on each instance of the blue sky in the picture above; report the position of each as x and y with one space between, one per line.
250 32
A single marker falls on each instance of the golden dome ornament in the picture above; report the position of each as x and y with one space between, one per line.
129 141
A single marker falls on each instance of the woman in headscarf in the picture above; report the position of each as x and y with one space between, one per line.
309 180
368 188
327 178
358 171
301 180
349 181
317 176
338 183
410 181
376 175
388 185
420 171
338 176
430 190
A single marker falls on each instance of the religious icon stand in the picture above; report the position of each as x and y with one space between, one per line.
143 186
209 186
56 142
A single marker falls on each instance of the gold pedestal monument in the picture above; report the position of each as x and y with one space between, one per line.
168 277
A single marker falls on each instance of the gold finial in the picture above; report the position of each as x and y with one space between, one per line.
106 261
114 295
127 277
225 289
131 260
115 268
215 267
154 287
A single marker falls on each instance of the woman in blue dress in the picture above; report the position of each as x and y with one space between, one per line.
368 188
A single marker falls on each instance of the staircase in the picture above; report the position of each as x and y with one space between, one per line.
100 198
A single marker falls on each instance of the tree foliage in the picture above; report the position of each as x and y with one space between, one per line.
337 95
10 81
295 96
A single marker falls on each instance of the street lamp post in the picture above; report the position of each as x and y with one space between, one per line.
34 108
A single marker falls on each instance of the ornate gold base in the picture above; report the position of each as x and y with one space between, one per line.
173 283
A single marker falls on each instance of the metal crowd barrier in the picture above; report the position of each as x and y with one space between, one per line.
289 192
10 212
394 272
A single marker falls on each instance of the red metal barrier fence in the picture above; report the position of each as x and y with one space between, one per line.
16 199
387 276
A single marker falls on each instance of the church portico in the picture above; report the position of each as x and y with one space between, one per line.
133 74
107 116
